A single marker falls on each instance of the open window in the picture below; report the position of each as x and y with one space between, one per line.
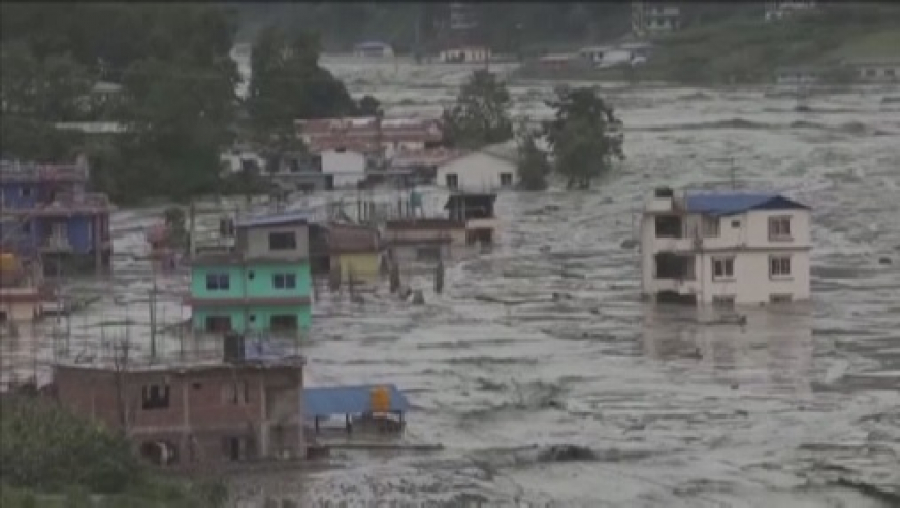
155 396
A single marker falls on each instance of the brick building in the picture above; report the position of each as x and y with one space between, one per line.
245 408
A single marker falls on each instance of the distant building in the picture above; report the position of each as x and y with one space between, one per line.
797 75
479 171
21 298
653 18
47 213
392 135
622 54
347 164
260 287
876 70
725 248
242 405
781 9
466 54
373 49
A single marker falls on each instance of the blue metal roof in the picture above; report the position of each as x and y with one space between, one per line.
337 400
274 220
733 203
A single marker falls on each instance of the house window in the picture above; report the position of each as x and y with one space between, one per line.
452 181
26 228
506 179
25 192
235 393
723 268
723 300
282 240
781 298
667 226
217 282
710 227
779 228
890 72
154 397
779 266
735 223
217 324
284 281
283 323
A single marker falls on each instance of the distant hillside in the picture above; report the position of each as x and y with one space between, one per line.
750 50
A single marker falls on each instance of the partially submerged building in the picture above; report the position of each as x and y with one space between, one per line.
244 405
261 286
480 171
46 212
352 249
725 248
21 296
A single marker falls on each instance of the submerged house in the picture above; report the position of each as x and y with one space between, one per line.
21 297
352 249
243 405
46 212
725 248
261 286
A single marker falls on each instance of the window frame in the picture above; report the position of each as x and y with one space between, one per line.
710 226
725 262
280 281
287 317
506 179
214 281
455 178
288 245
776 233
781 275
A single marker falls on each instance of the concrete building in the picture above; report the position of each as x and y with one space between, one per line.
725 248
480 171
782 9
654 18
386 136
21 298
466 54
46 212
875 70
634 53
346 165
243 405
797 75
260 287
373 49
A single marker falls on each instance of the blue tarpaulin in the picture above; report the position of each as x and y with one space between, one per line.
337 400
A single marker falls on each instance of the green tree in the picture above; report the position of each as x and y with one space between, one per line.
369 106
481 114
532 164
585 136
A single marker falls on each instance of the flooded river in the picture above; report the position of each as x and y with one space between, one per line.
799 407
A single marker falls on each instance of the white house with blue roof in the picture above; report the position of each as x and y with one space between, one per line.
725 248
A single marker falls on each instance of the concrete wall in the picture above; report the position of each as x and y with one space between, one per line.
477 172
254 241
198 415
364 266
348 167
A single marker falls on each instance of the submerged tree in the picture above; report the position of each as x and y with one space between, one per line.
585 136
481 114
532 164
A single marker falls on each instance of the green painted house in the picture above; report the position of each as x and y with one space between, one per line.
261 286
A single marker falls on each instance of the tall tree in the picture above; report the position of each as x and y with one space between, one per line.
532 164
585 136
481 114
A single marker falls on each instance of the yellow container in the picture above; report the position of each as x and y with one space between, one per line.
380 399
7 262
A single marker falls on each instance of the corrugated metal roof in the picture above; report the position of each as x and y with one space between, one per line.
732 203
335 400
274 220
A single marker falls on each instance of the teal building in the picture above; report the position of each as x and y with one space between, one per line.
262 286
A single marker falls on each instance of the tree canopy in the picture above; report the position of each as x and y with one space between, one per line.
585 136
532 165
481 114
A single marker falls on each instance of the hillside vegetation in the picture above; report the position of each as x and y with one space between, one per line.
740 50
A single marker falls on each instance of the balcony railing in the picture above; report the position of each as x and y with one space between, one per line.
56 243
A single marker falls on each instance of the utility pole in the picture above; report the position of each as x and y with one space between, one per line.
733 175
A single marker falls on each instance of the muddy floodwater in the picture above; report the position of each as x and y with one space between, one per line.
800 407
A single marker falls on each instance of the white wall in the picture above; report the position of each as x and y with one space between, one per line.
348 168
231 160
744 237
477 172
